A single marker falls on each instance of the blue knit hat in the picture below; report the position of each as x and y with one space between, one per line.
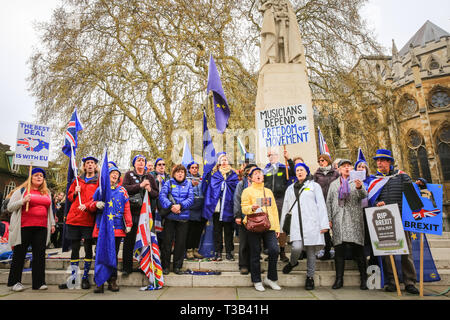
190 164
158 160
90 158
252 170
139 156
301 164
111 169
36 170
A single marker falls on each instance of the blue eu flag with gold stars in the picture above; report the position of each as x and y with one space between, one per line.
221 108
105 257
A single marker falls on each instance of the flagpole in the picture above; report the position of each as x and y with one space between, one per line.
76 173
286 164
29 186
421 265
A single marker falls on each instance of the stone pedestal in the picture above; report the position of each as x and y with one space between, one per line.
283 85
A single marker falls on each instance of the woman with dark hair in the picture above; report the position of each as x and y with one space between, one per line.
30 227
178 195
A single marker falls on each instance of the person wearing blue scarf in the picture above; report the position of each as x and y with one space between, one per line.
219 205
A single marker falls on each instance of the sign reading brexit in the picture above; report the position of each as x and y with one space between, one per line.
32 147
283 126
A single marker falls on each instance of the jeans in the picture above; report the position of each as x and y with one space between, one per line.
244 250
296 251
222 228
175 231
254 241
128 245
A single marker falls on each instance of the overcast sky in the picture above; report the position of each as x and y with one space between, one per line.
398 19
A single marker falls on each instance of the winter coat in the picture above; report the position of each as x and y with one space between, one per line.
348 220
182 193
197 207
121 211
392 191
237 209
324 180
15 205
131 182
221 189
77 217
249 196
276 181
313 211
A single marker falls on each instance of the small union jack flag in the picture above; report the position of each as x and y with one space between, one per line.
71 136
423 213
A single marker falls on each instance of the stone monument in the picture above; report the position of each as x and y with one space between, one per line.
284 114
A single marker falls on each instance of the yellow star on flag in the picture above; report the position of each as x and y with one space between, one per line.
110 216
110 203
414 236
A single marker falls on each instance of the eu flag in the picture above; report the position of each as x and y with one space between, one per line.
187 156
221 108
209 155
105 257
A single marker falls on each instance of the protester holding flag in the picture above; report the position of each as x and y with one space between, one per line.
244 250
252 199
178 195
276 180
80 219
304 200
32 227
347 222
196 221
136 182
324 176
387 187
121 216
219 205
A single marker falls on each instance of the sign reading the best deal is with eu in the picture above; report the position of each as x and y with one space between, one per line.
423 214
283 126
33 145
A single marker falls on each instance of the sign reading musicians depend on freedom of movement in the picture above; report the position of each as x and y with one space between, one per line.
283 126
32 147
386 230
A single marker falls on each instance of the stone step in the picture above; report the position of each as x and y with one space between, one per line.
225 279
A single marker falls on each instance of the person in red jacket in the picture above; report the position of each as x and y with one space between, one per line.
80 219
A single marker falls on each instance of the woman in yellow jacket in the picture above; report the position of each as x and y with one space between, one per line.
252 197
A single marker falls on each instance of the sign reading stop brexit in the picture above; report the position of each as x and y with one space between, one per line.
33 144
283 126
425 217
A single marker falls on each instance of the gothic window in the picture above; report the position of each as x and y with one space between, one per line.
443 149
440 99
418 159
408 105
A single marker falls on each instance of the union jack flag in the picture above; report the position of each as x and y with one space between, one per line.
146 249
26 143
323 147
423 213
71 136
376 185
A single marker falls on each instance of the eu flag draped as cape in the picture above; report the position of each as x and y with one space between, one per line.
105 257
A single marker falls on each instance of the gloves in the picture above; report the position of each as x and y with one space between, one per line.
100 205
128 229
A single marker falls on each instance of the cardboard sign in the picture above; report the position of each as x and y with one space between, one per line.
386 230
357 175
283 126
33 145
426 218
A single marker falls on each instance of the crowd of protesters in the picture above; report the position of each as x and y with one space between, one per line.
316 214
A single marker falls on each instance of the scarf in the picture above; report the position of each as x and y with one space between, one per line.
224 171
344 191
325 170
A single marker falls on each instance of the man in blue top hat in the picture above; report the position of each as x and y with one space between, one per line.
387 187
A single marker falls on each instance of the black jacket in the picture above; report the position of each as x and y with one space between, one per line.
392 192
277 182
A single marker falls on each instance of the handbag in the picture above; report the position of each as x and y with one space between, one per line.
258 222
135 201
287 220
165 211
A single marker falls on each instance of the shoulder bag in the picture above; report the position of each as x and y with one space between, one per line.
258 222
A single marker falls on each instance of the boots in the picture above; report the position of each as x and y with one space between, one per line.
283 257
362 267
190 254
99 289
112 284
339 264
197 255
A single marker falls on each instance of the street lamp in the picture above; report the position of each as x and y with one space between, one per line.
10 155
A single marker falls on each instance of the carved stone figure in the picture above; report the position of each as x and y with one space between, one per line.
281 41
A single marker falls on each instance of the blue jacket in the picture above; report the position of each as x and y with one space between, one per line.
182 193
218 189
197 207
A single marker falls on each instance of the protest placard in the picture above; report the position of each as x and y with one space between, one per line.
357 175
33 145
283 126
